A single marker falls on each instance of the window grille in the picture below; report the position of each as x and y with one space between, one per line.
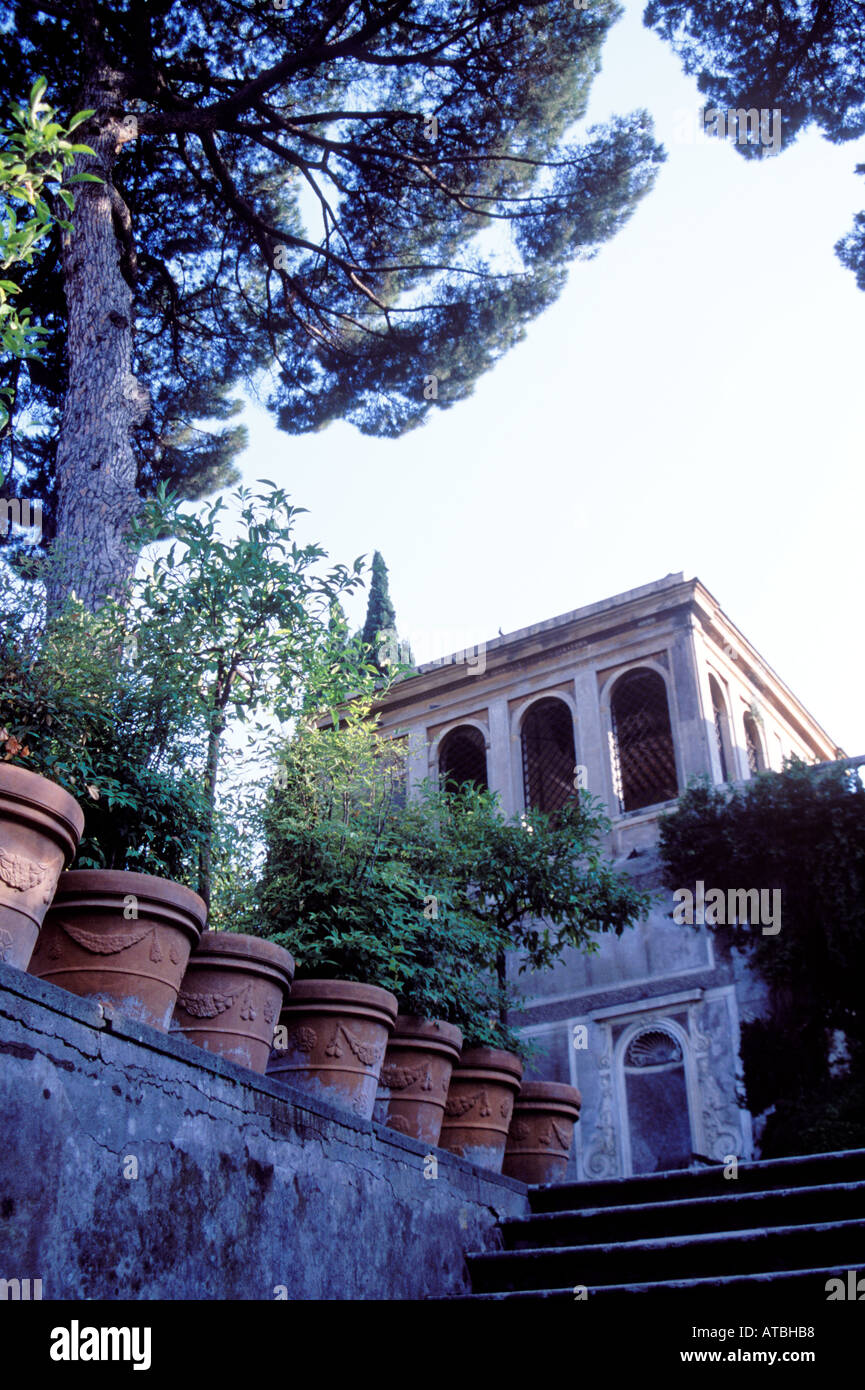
549 761
754 748
722 734
644 761
463 758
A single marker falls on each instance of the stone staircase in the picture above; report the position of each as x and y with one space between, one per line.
787 1225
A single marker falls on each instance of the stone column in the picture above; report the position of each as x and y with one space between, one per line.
418 757
592 750
696 747
500 760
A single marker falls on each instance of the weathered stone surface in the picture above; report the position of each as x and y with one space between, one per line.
245 1188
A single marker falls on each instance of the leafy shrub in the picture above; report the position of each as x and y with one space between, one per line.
426 898
801 831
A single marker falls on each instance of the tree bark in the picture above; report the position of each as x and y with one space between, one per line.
205 853
96 463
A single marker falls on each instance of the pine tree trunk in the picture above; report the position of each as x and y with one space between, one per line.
96 464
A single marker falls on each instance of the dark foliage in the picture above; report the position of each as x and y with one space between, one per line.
305 187
805 58
801 831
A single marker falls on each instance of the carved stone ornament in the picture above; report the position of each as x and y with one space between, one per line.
207 1004
109 943
302 1039
399 1123
23 874
720 1116
400 1078
461 1105
551 1134
653 1047
563 1136
366 1053
601 1159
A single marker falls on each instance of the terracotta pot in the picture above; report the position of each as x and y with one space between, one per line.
414 1081
542 1131
120 938
40 826
479 1105
334 1040
231 996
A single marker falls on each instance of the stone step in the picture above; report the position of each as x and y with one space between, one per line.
729 1210
684 1184
750 1292
836 1244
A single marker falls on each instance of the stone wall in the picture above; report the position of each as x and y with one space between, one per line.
135 1166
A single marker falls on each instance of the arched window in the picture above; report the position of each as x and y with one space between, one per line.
463 758
657 1099
722 729
754 746
644 761
547 739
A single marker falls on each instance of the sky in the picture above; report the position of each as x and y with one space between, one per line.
693 401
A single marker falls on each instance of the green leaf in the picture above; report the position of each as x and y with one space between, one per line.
78 119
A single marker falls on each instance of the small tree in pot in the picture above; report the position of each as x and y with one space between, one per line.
347 889
127 708
535 885
422 899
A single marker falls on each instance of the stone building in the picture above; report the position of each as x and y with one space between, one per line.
630 697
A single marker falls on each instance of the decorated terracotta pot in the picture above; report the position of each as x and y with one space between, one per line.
479 1106
542 1131
331 1041
414 1081
231 996
40 826
120 938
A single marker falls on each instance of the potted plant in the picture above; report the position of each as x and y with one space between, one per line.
424 900
121 938
480 1104
231 996
126 707
484 1086
328 895
344 889
532 885
40 826
450 1001
332 1040
541 1132
416 1076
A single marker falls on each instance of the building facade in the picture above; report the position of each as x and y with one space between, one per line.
631 698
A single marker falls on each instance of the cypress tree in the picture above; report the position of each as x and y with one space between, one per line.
379 630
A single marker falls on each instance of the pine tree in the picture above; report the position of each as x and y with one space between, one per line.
300 184
804 59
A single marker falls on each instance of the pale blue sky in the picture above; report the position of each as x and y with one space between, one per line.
693 401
